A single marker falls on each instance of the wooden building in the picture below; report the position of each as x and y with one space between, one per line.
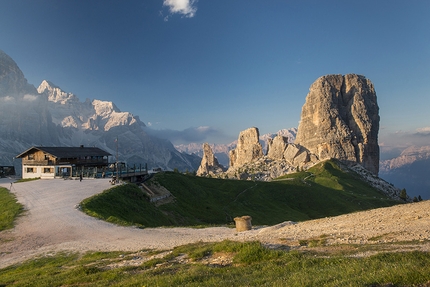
53 162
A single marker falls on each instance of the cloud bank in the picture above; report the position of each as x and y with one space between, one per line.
185 7
189 135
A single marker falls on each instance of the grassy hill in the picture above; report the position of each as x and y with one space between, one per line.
324 190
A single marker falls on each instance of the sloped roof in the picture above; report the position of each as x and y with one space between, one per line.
67 152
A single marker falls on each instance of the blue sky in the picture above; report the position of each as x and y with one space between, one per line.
205 70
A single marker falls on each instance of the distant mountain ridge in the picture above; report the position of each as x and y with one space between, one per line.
49 116
410 170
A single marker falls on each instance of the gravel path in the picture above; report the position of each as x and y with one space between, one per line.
52 223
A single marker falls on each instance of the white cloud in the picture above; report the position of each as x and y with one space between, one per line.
7 99
29 98
425 130
184 7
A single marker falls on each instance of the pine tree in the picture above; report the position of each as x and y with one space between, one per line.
403 195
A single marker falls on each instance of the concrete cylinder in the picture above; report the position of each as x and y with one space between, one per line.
243 223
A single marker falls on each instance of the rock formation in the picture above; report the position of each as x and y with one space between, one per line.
248 148
222 151
340 120
209 164
276 147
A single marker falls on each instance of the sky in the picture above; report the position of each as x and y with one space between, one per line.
204 70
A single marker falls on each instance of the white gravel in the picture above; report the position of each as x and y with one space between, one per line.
52 223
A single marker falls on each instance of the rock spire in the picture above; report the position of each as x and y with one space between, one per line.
340 119
248 148
209 164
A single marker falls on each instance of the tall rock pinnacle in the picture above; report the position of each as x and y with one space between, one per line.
340 119
209 164
248 148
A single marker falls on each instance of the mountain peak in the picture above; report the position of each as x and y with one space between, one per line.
55 93
12 80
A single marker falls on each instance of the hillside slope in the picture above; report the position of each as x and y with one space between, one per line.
324 190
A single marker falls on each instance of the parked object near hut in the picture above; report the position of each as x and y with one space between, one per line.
243 223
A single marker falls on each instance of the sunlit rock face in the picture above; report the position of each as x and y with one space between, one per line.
248 148
340 119
276 147
209 164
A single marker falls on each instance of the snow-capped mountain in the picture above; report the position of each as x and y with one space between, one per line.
221 151
50 116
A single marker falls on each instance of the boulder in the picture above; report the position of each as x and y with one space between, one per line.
276 147
340 119
291 152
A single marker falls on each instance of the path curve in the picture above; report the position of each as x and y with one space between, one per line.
52 223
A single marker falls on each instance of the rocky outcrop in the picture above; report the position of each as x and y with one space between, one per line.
276 147
221 151
295 155
340 119
248 148
209 164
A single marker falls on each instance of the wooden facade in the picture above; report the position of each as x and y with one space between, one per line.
52 162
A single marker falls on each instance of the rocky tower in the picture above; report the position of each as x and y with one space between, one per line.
248 148
209 164
340 119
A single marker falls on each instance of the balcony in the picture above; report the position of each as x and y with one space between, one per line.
37 162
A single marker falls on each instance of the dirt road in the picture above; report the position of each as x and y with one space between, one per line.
52 222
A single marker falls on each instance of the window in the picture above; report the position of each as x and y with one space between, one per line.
30 170
30 157
47 170
46 157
